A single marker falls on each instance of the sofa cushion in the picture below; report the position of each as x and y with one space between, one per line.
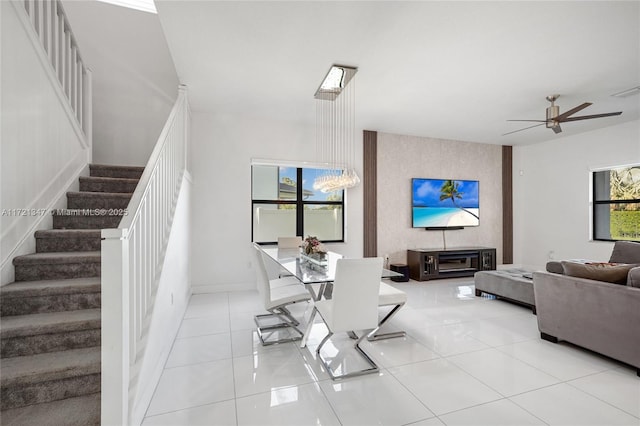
625 252
608 272
633 279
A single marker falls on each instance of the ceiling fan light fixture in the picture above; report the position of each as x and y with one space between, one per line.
628 92
334 82
335 130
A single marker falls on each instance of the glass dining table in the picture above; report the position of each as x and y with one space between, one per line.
309 274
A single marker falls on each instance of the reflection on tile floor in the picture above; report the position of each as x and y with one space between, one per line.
465 360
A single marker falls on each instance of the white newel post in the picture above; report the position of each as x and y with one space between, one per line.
115 327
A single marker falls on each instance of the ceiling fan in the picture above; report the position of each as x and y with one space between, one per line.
554 118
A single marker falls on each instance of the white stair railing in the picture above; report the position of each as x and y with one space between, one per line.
54 33
132 259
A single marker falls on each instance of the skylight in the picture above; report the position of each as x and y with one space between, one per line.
143 5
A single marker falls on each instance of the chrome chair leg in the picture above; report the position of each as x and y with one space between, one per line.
373 367
287 321
381 336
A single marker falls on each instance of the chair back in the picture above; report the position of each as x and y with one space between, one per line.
355 294
262 278
289 242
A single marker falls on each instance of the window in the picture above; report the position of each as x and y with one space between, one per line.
616 204
284 203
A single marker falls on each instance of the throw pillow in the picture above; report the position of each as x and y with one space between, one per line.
625 252
633 279
555 267
608 272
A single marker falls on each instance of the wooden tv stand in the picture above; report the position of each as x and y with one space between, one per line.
431 264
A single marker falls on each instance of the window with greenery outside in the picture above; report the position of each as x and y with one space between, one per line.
616 205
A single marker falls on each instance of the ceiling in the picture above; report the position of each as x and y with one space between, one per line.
451 70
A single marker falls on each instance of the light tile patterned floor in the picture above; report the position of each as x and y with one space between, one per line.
465 361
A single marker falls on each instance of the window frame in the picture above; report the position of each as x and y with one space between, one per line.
299 202
608 202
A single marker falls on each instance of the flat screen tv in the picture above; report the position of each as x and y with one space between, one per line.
445 203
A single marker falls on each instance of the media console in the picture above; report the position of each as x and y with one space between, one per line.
430 264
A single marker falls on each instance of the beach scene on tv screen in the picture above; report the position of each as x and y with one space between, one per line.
444 203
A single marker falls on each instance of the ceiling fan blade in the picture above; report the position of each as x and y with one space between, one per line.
572 111
589 117
533 121
516 131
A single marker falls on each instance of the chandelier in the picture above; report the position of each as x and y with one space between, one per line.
335 129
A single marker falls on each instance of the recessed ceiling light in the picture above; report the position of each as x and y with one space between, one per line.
628 92
143 5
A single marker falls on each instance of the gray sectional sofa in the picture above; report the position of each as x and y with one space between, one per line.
601 316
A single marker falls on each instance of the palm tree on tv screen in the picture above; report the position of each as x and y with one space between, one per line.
450 189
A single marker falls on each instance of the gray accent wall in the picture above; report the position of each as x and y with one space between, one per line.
401 158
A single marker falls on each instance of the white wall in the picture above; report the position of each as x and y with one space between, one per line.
171 301
42 150
401 158
134 80
551 192
222 149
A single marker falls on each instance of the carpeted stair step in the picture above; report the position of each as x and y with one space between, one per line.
49 332
127 172
34 297
82 219
78 411
98 200
107 184
67 240
46 377
53 266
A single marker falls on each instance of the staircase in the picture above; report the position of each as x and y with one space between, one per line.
50 334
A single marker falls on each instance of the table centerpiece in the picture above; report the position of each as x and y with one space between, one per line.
313 252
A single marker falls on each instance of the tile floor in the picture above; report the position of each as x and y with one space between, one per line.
465 361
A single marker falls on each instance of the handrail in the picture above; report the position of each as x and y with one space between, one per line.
52 28
132 259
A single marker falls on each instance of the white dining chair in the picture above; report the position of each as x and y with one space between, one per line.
289 242
387 296
353 306
276 295
278 277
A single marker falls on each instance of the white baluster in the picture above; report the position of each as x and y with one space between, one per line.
46 26
134 292
74 78
62 48
87 113
79 95
37 19
55 44
68 56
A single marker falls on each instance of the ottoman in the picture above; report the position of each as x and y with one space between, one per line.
511 284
